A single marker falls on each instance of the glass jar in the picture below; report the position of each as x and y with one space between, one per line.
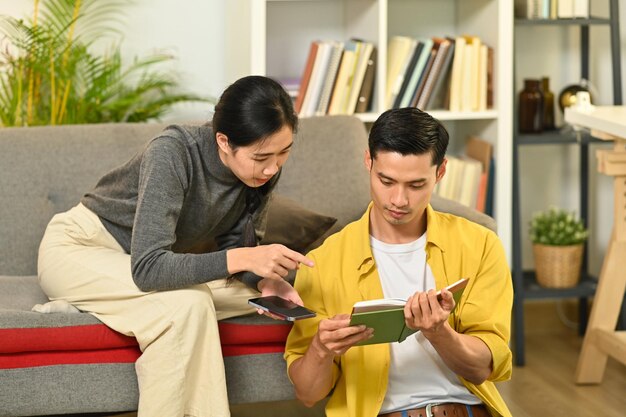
548 104
530 109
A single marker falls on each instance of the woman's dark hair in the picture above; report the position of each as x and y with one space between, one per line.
253 108
409 131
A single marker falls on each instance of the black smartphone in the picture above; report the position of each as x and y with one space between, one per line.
281 307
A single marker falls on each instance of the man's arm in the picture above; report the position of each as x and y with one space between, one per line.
312 374
467 356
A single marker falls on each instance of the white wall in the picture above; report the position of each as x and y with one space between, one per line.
191 30
549 173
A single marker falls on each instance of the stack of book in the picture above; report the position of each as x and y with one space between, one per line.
469 178
552 9
439 73
338 78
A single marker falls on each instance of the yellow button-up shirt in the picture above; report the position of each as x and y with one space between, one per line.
345 272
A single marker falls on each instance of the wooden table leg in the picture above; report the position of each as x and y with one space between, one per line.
601 339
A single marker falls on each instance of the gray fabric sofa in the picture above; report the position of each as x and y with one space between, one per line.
45 170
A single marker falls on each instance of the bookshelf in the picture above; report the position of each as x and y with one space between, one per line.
272 37
526 287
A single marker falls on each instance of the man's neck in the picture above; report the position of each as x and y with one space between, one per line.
386 232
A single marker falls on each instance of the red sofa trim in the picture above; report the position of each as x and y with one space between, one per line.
41 339
71 357
253 334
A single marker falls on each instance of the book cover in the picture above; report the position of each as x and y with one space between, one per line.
318 74
436 73
341 88
399 48
490 188
329 80
306 76
422 80
482 151
441 90
407 74
417 72
482 77
365 54
456 78
490 81
386 316
367 89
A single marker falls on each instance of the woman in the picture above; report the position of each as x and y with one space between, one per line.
128 252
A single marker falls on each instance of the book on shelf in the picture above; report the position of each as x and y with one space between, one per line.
306 76
329 78
467 178
402 74
490 80
414 77
482 78
457 74
490 188
565 9
424 75
440 95
342 83
482 151
386 316
314 89
437 71
397 101
367 88
397 54
365 52
470 78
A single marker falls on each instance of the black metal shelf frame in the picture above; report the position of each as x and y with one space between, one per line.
524 282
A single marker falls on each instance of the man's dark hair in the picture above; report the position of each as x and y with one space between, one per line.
409 131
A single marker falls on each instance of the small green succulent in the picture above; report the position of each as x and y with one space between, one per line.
557 227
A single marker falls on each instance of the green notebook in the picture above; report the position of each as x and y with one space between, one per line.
386 316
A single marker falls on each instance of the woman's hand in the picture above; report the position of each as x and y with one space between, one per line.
267 261
280 288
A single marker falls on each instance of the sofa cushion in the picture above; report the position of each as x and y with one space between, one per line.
293 225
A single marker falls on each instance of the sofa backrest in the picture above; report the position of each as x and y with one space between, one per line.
46 170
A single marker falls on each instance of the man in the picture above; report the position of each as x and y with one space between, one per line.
401 247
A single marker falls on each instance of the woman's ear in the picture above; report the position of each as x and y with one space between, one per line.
222 142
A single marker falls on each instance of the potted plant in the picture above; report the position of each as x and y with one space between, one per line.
51 73
558 237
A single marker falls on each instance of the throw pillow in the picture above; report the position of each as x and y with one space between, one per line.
294 226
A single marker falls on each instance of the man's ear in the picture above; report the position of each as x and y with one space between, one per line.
442 170
222 142
368 160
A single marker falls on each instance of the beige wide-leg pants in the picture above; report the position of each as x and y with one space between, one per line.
181 370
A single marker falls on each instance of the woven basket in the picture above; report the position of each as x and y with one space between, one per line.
558 266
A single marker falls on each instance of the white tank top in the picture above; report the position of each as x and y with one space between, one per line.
417 375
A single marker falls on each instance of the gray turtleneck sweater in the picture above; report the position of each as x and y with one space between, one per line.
170 198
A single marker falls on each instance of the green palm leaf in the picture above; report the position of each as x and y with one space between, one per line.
50 76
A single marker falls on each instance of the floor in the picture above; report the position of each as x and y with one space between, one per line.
544 387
